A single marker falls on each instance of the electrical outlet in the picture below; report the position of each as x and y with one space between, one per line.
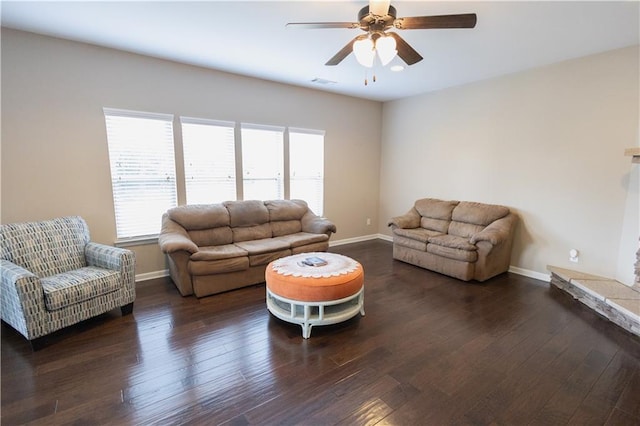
574 255
368 221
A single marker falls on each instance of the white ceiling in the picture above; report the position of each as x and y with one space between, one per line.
250 38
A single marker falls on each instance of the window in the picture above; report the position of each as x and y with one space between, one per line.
209 160
143 176
306 167
262 162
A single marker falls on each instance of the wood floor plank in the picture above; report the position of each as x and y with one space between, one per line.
430 350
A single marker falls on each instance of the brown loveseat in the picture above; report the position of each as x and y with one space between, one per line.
462 239
213 248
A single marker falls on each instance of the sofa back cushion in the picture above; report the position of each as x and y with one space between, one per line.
285 216
436 214
200 216
469 217
249 220
212 236
48 247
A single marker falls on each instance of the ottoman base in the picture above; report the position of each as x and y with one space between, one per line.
308 314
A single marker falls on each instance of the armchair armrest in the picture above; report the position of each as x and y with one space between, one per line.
22 300
173 237
409 220
497 232
107 257
316 224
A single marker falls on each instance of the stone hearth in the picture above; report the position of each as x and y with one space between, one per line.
611 299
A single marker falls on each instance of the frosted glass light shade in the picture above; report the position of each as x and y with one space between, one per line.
386 48
363 49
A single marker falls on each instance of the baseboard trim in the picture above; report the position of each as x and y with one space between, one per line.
529 273
152 275
353 240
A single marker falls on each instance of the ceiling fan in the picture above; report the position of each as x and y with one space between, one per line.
375 20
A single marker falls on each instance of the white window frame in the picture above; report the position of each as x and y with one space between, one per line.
140 198
193 173
315 203
280 178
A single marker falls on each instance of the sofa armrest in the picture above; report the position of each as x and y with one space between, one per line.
22 300
316 224
496 232
173 237
409 220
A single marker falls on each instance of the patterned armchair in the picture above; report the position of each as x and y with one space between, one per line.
52 276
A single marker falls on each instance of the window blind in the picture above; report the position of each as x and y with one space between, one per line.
209 160
143 176
306 167
262 162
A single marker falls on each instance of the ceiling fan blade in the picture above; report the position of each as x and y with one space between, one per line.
406 52
466 20
379 7
343 53
321 25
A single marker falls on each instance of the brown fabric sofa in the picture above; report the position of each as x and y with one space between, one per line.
462 239
218 247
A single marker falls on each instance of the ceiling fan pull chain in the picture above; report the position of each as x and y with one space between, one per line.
366 82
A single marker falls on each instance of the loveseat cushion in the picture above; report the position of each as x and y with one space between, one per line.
68 288
226 251
280 210
285 227
478 213
199 216
452 241
453 253
251 233
435 214
418 234
265 258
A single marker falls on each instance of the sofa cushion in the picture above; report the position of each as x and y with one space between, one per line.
434 208
249 233
211 236
286 209
247 213
453 241
478 213
265 245
78 285
200 216
265 258
226 251
418 234
208 267
302 238
285 227
453 253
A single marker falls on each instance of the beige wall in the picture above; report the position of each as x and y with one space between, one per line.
54 150
548 142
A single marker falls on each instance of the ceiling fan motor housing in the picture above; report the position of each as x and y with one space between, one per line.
370 22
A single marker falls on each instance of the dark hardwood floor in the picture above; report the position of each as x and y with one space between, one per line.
431 350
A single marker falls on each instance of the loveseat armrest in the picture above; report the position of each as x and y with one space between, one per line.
496 232
317 225
173 237
22 300
409 220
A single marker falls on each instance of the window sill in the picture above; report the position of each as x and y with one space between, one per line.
137 241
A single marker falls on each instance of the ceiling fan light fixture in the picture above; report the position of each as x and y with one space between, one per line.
386 48
364 51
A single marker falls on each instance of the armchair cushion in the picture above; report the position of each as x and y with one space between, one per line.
76 286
